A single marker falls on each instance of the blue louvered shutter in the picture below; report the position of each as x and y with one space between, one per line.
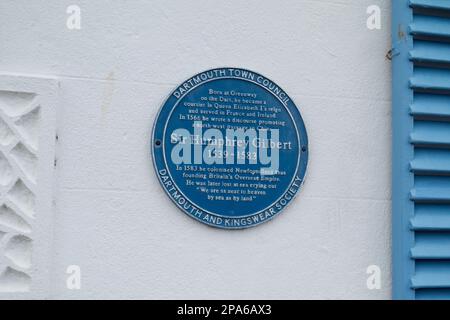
421 149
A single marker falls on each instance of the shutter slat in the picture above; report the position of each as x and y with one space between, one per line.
431 52
433 195
430 281
431 246
430 4
430 27
430 80
430 252
431 274
431 161
429 105
431 134
430 224
431 217
434 166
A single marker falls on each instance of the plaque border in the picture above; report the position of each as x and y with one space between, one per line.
158 133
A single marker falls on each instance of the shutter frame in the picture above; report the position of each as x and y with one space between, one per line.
421 149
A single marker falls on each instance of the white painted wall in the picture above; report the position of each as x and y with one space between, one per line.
111 216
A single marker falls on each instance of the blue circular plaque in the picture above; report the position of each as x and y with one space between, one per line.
230 148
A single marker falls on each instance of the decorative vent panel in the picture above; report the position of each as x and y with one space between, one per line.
19 125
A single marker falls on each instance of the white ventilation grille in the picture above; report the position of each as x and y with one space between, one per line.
27 122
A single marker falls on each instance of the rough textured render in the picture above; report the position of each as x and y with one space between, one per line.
22 100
